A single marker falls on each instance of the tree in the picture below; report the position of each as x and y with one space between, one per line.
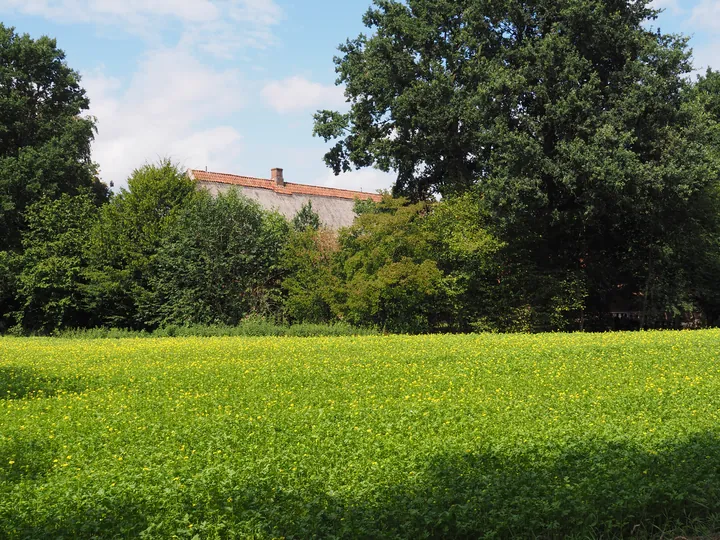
572 120
44 140
54 276
309 283
126 239
389 277
9 270
702 249
306 218
219 263
479 296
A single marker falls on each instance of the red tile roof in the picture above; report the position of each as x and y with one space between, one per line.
287 189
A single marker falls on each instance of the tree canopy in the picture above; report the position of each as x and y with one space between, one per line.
54 278
128 235
219 263
573 121
44 140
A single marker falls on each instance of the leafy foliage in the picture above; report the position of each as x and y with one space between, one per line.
554 436
306 218
400 267
44 142
219 263
9 270
52 283
309 284
128 236
573 122
250 327
389 277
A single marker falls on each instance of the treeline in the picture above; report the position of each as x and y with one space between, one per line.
162 254
556 164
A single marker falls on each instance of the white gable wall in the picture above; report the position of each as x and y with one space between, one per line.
334 212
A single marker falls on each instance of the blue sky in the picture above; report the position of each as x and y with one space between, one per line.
232 84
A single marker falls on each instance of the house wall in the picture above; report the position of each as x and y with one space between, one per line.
334 213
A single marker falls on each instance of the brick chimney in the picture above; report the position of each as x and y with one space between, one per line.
277 177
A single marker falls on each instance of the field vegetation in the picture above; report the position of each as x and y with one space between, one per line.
439 436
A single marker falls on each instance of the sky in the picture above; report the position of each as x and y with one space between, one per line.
232 85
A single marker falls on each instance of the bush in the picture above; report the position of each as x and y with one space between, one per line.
52 286
218 264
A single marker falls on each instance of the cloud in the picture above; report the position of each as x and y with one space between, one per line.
705 56
173 107
368 180
673 6
706 14
298 94
219 27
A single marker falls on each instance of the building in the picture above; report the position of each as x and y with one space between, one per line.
334 206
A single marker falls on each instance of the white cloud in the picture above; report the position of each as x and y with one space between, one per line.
368 180
298 94
216 26
167 110
672 6
706 14
706 56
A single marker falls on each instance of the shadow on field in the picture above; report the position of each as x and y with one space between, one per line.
594 489
25 459
598 489
22 382
98 519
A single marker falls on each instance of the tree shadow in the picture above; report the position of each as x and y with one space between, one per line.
594 489
103 518
18 382
90 513
26 459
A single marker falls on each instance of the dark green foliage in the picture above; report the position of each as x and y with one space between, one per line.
700 254
9 270
218 264
572 121
52 286
44 142
127 237
708 92
310 285
306 218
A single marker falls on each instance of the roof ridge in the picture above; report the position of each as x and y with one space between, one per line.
288 188
230 174
332 188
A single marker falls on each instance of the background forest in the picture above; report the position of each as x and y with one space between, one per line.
556 162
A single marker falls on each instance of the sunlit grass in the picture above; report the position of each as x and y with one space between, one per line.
547 435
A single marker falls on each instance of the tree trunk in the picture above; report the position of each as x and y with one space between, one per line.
646 294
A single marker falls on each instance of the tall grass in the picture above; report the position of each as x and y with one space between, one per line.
251 327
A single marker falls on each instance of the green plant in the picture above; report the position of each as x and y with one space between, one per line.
551 436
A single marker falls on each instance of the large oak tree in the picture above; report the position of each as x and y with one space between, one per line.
574 120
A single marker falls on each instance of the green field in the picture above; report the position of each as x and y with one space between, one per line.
442 436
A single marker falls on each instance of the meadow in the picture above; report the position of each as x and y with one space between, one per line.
578 435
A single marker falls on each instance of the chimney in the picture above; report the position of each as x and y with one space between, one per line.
277 177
